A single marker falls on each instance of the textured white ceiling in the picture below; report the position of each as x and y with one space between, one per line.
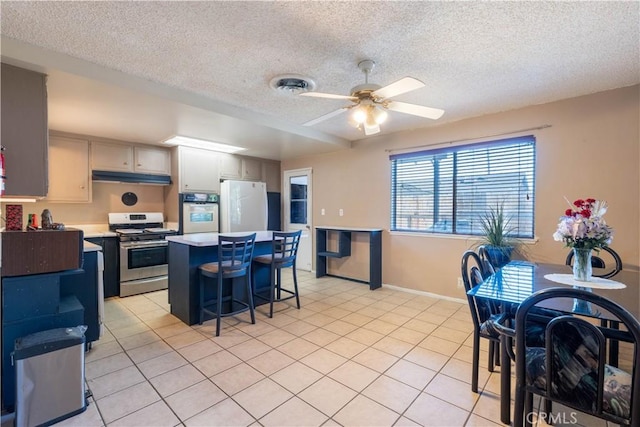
218 57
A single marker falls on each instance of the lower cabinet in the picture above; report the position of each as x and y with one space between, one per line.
111 270
40 302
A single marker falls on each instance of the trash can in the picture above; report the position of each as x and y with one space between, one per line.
49 376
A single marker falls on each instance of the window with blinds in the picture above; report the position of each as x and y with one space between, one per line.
448 190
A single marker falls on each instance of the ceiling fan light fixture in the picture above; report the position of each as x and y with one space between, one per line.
379 114
359 114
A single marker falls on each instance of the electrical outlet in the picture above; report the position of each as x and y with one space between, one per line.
322 211
341 212
460 283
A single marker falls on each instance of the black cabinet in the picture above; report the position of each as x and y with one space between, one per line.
24 131
32 304
111 270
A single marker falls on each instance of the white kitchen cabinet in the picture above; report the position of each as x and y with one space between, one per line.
251 169
111 157
230 166
128 158
69 174
199 170
238 167
152 160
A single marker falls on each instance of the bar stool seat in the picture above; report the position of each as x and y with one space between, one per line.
284 250
234 260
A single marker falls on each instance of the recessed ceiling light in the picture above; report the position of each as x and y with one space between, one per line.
201 143
292 84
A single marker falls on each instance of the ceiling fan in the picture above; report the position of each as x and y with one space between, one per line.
370 102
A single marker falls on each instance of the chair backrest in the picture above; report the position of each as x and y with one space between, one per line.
473 272
284 247
488 266
235 254
572 368
599 262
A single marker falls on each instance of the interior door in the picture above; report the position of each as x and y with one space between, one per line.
297 212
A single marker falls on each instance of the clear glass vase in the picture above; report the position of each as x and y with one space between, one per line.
582 269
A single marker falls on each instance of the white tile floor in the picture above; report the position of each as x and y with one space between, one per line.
349 356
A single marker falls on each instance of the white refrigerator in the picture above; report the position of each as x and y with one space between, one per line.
243 206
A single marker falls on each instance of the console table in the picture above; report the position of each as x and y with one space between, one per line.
344 250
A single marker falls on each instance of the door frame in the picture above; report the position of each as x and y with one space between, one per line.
286 202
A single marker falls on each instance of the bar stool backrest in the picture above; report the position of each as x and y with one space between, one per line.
284 248
235 254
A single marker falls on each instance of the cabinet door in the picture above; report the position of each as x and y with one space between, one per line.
230 166
198 171
271 175
152 160
251 169
24 131
68 170
111 157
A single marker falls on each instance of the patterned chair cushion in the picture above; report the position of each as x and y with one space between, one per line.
583 388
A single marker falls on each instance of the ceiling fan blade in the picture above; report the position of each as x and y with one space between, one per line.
404 85
371 130
328 95
326 116
416 110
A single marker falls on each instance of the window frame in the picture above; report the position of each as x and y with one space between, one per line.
525 218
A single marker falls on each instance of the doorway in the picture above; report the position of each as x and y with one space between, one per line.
297 212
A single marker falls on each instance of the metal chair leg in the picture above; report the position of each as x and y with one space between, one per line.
219 305
295 286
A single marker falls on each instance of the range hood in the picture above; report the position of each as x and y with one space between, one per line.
130 177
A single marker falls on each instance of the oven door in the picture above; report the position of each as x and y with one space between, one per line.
144 259
199 218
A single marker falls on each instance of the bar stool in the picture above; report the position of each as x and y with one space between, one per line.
284 249
234 260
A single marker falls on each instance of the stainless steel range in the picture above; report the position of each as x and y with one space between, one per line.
143 251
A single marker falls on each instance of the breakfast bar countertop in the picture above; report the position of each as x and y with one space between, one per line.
211 239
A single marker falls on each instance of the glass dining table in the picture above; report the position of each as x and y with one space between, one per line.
517 280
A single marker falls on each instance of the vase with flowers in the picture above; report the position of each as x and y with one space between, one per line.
584 229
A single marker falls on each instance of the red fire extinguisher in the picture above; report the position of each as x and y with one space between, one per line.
2 175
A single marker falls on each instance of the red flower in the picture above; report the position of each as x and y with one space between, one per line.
591 201
586 213
578 203
568 212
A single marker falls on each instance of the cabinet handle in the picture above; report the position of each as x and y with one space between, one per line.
139 164
125 163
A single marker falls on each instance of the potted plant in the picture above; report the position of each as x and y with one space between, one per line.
496 235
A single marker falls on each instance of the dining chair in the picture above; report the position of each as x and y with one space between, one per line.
284 251
234 261
571 367
599 262
474 271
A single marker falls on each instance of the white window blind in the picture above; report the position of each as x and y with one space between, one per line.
447 190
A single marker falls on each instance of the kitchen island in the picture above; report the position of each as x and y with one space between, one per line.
187 253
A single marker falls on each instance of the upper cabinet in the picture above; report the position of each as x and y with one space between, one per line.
66 183
230 166
127 158
152 160
24 131
199 170
271 175
239 167
111 157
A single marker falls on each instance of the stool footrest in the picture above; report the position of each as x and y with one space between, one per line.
292 295
245 307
